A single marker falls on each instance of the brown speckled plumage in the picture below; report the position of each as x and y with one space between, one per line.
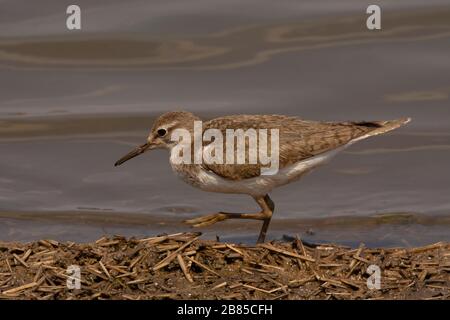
298 139
303 145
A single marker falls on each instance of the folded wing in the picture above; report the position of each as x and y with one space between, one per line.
298 139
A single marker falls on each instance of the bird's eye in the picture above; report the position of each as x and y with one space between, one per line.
161 132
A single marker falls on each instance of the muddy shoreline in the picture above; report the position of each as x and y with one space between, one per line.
182 266
378 230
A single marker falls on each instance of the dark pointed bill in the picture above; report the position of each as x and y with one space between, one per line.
132 154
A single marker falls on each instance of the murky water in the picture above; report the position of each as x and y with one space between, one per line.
71 103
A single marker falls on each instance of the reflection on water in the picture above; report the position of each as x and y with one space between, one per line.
71 103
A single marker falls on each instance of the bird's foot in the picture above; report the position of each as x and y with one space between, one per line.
207 220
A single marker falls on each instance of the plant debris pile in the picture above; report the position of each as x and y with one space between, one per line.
182 266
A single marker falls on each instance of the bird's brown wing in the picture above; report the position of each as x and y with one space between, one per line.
298 139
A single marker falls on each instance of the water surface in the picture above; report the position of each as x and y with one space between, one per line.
72 103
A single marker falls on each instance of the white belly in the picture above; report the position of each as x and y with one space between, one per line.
257 186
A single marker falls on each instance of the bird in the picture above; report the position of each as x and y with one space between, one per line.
303 145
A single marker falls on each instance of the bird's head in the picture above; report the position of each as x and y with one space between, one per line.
161 132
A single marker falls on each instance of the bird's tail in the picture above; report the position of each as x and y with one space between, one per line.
389 125
380 127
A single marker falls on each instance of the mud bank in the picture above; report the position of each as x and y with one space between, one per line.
182 266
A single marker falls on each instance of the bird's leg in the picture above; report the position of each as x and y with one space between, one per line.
267 207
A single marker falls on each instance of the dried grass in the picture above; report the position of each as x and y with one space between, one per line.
181 266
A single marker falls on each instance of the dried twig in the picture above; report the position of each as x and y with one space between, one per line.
184 268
